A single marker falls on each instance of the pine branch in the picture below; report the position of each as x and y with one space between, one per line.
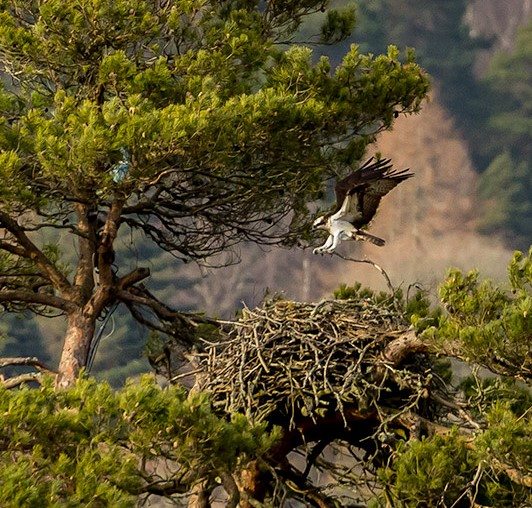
30 251
23 296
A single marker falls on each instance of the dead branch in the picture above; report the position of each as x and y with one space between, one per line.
28 361
375 265
31 297
13 382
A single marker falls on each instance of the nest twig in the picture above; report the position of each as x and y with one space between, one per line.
288 360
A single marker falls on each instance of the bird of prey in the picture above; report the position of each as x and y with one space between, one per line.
357 198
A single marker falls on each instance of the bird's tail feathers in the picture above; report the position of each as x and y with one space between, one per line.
364 235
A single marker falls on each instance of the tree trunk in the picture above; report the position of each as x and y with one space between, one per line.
79 334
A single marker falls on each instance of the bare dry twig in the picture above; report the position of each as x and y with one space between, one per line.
375 265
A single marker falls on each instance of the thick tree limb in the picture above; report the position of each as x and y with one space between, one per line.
19 295
399 349
31 251
13 382
12 249
105 248
83 278
231 488
27 377
141 296
161 310
314 454
133 277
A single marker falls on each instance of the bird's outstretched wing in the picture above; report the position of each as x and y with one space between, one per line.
358 195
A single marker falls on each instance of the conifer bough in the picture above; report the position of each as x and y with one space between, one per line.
229 132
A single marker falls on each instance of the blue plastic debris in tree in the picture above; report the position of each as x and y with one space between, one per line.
120 169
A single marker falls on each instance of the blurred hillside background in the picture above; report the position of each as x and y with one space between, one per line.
469 205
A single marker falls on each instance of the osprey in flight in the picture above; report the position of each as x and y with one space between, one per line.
357 198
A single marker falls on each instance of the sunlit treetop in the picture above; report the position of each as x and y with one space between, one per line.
221 123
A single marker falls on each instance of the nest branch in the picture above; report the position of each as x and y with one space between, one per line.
290 360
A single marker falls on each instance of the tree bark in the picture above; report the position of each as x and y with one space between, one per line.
78 337
199 497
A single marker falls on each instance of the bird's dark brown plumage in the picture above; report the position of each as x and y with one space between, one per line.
368 184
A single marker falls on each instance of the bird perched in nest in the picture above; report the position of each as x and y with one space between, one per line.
358 196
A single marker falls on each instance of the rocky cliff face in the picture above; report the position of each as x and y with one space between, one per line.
497 20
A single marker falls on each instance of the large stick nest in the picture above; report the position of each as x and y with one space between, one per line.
286 360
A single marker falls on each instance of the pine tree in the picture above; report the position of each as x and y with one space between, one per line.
184 120
92 446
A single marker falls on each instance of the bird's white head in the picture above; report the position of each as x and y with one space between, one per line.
320 223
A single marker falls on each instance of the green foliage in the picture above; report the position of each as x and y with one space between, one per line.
505 188
229 134
416 309
354 292
92 446
520 272
432 472
358 293
104 81
506 446
419 311
489 468
482 394
485 324
338 24
489 465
